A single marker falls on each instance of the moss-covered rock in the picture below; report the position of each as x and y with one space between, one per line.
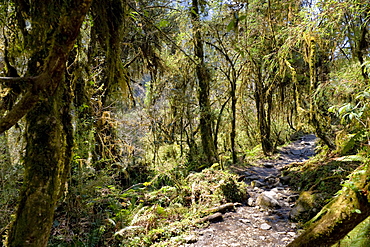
305 207
213 187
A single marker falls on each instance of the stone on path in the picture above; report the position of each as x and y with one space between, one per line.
296 152
268 199
251 202
265 226
268 165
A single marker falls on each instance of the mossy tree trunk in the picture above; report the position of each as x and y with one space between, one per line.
317 120
48 152
47 100
341 215
203 76
233 118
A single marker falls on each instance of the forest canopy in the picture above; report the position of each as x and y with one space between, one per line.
109 104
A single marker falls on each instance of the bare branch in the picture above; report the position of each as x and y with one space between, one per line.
16 80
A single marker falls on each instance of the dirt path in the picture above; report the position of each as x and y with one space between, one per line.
264 221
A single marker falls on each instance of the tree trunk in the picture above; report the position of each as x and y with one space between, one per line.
340 216
263 120
203 77
4 151
322 127
48 152
233 121
108 24
49 128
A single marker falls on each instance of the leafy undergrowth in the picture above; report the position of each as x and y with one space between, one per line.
146 214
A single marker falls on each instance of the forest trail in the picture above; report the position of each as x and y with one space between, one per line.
252 225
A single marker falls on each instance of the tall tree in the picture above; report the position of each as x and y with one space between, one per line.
231 64
50 30
203 77
263 26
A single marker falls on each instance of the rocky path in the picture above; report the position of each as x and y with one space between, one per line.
264 220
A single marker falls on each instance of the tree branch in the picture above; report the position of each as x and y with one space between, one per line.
20 109
16 80
45 84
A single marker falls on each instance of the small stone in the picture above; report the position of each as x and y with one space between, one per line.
258 190
191 239
256 183
293 198
271 180
265 226
268 165
276 189
251 202
245 221
253 177
296 152
262 237
292 234
247 174
285 180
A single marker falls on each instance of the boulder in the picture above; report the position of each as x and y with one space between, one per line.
304 207
268 199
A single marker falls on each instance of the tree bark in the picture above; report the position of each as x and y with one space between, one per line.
49 128
263 118
233 119
203 77
48 152
340 216
322 127
363 45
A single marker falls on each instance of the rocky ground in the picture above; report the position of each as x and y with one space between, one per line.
264 221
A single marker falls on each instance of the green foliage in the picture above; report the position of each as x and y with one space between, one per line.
351 143
167 212
99 212
322 175
133 179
